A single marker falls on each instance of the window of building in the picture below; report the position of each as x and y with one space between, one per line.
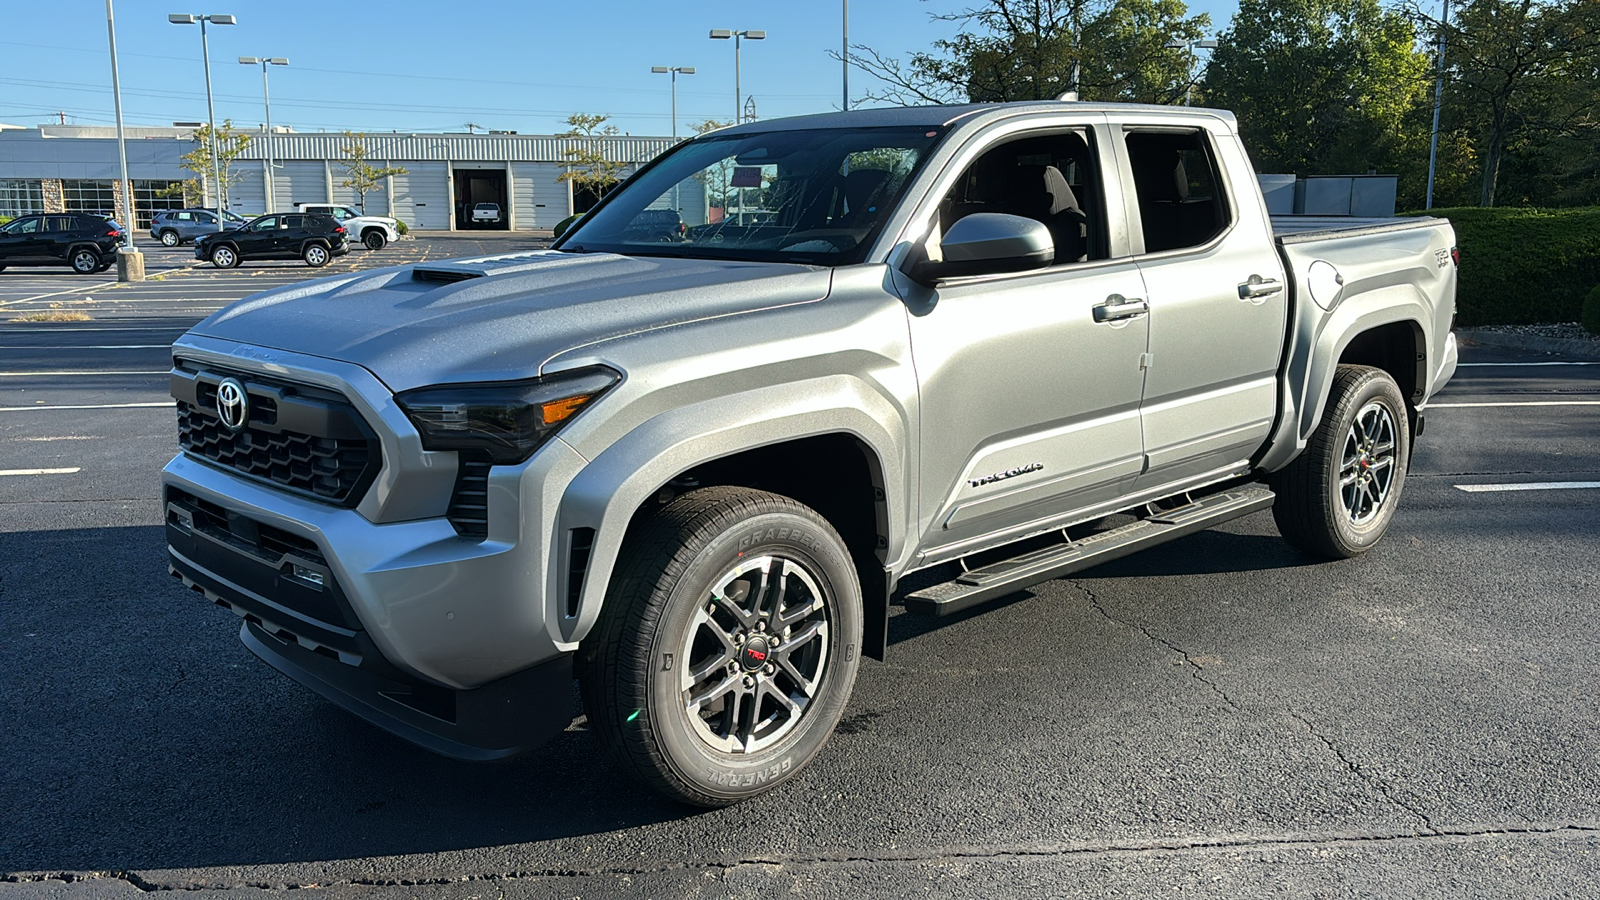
21 197
1181 203
89 195
149 198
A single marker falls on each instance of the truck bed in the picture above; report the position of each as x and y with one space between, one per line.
1297 229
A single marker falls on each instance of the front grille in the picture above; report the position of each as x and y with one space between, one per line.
304 439
469 502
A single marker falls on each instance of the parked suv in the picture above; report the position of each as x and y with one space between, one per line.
85 242
656 225
313 238
372 231
180 226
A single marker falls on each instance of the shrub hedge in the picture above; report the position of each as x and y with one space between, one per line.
1524 266
564 224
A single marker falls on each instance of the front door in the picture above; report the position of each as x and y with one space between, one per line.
22 241
1030 401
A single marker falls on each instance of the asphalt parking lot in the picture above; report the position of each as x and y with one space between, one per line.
1219 717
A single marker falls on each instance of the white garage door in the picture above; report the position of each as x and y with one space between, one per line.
248 195
299 182
541 200
422 196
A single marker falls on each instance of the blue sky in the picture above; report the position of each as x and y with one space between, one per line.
421 65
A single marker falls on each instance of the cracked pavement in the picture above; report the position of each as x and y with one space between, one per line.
1218 717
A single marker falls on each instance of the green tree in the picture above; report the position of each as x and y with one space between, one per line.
230 143
361 175
1523 75
590 166
1323 86
1031 49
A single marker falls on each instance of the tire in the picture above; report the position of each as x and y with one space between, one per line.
169 238
1338 497
315 255
225 257
686 604
84 260
374 240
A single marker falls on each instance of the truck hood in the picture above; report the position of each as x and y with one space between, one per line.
495 318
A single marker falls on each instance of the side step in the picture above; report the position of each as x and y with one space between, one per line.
1011 575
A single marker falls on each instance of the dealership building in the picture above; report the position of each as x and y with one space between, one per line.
75 169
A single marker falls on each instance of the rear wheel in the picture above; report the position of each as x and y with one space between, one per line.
1339 496
169 238
84 261
727 648
315 255
374 240
224 257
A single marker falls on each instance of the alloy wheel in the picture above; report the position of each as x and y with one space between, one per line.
1368 463
755 654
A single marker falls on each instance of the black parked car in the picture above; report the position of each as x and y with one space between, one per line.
308 236
85 242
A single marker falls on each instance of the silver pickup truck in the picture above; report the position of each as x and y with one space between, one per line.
689 469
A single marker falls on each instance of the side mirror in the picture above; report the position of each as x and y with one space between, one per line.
986 243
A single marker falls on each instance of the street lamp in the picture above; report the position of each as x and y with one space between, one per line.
1438 101
211 110
1191 47
722 34
130 263
266 99
674 71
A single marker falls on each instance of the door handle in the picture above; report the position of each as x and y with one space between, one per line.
1119 307
1258 288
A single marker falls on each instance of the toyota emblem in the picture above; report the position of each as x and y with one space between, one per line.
233 404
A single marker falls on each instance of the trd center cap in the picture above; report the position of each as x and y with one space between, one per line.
756 652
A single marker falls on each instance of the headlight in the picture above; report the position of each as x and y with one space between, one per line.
507 419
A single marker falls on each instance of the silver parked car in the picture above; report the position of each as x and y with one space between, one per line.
179 226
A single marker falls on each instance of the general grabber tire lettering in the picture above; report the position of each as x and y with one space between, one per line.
1338 497
727 647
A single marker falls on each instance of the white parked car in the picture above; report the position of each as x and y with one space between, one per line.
373 232
486 212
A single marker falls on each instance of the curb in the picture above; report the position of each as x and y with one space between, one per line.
1576 349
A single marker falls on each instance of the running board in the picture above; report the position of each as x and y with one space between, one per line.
1011 575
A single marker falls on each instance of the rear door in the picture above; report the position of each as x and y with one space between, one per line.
1218 302
60 233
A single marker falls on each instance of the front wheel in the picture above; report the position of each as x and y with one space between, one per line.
727 648
315 255
169 238
224 257
374 240
1339 496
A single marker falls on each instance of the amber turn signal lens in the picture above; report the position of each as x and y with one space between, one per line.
562 410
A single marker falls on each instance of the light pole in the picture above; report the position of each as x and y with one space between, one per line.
674 71
1191 47
130 263
722 34
1438 101
266 100
211 110
844 50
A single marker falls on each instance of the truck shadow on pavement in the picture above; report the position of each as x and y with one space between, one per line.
143 735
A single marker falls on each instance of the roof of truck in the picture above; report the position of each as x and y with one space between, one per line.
939 116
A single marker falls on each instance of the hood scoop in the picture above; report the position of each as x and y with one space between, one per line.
451 271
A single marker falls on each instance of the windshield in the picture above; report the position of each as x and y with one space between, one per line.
816 197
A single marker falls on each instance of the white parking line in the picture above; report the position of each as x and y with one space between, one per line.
77 290
1529 486
85 346
1516 403
41 471
79 374
6 409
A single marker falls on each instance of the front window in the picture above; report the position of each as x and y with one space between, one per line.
265 223
21 226
817 197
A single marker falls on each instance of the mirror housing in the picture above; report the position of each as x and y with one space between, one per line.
987 243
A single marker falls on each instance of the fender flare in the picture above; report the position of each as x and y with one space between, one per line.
607 493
